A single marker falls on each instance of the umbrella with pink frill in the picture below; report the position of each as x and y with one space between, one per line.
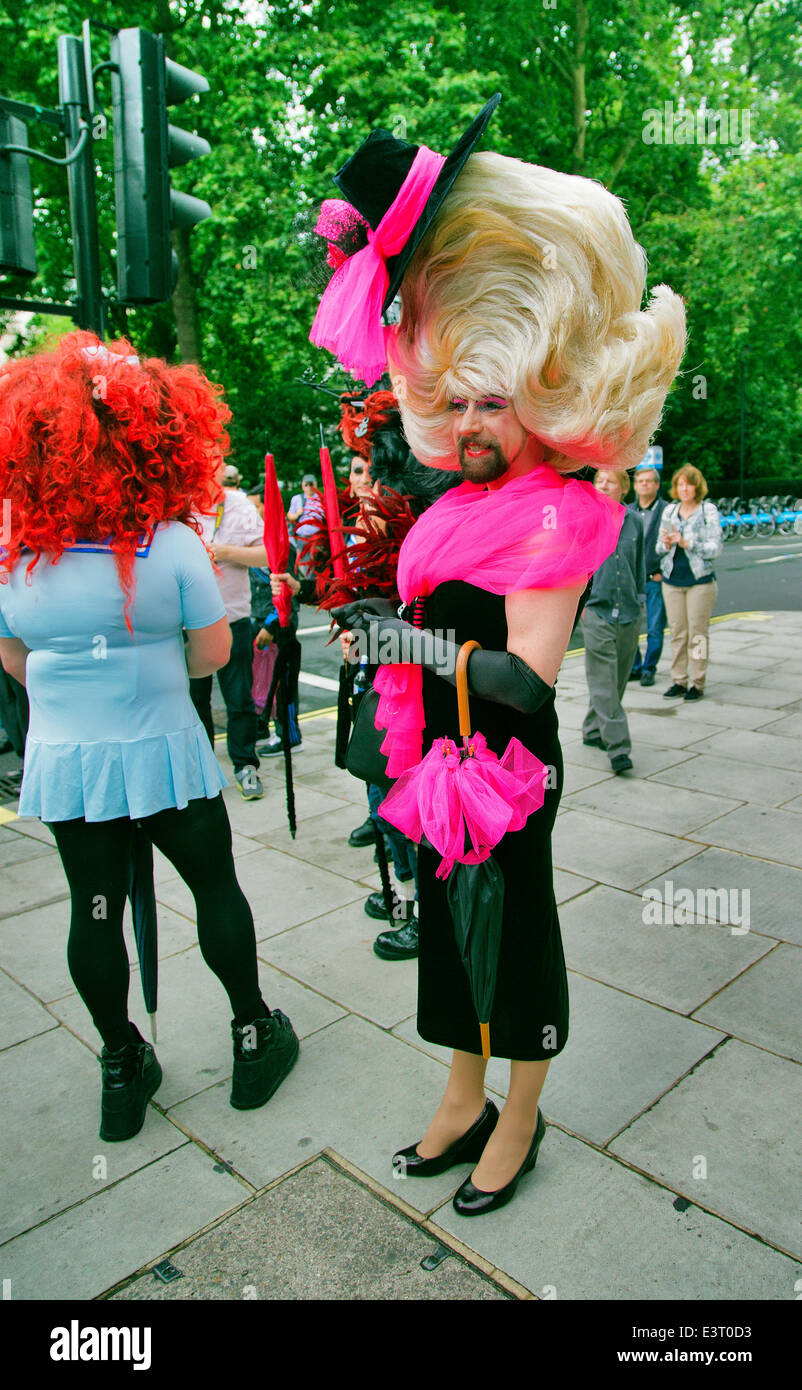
460 800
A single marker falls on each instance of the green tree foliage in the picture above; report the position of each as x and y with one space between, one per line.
297 84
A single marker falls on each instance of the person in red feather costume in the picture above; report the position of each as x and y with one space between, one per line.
386 492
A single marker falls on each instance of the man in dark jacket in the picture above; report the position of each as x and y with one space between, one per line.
611 622
649 507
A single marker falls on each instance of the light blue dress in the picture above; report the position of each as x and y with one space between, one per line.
113 731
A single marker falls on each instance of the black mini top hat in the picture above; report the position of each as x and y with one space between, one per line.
371 181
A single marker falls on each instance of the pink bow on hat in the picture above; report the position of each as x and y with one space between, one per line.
348 319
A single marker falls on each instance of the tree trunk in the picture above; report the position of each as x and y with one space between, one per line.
185 304
580 122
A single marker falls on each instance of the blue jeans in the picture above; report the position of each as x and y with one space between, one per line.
655 623
404 852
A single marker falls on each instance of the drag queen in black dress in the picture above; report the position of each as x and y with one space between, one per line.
522 354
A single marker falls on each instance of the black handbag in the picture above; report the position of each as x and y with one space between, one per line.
363 757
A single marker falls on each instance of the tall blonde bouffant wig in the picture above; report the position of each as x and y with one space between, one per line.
529 285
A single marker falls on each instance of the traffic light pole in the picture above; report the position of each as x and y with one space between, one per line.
74 102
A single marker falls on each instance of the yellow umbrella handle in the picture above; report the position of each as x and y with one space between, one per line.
462 686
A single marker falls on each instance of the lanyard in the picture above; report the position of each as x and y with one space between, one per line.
221 506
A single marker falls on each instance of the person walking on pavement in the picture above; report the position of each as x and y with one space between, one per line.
234 534
108 606
649 507
611 623
690 538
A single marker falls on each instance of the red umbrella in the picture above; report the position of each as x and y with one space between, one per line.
277 545
276 537
332 506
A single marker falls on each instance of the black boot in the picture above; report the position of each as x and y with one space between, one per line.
398 945
131 1075
362 835
265 1051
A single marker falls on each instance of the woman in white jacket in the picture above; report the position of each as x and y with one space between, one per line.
690 537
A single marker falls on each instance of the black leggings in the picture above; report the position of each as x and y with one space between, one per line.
96 859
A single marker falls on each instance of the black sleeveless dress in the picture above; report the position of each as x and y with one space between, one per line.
530 1014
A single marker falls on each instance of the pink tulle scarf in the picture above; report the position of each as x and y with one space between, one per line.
540 531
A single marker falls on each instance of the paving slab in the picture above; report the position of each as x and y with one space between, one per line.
776 684
676 965
762 1005
22 888
21 1016
752 746
49 1143
354 1089
790 726
323 841
622 1053
289 1244
334 955
76 1255
729 778
568 885
339 786
33 946
253 818
584 1227
647 758
14 848
676 810
576 778
194 1021
24 825
795 805
282 892
770 893
585 844
728 714
737 1118
756 830
669 726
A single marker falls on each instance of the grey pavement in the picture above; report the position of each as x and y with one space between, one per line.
670 1167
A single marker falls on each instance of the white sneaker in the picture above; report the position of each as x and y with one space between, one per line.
268 747
249 783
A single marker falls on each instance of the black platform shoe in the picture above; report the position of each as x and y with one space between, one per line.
468 1149
131 1075
471 1201
265 1051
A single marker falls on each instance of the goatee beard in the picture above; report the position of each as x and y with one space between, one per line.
485 470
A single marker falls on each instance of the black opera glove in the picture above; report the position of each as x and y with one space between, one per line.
501 677
349 617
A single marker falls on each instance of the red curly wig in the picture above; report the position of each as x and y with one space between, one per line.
94 447
358 435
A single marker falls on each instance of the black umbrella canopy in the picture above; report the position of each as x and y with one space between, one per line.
476 902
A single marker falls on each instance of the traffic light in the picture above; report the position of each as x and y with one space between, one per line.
146 147
17 250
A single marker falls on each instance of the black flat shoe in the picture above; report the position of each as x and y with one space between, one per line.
471 1201
468 1149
